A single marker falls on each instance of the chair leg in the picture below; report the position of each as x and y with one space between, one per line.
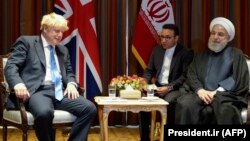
4 132
25 134
25 137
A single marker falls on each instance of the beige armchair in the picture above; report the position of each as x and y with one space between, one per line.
23 119
246 112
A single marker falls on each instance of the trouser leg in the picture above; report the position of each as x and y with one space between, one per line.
85 111
144 120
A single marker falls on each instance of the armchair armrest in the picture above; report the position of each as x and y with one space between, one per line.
17 103
23 111
248 110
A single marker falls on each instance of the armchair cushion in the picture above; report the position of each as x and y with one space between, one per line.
59 117
15 116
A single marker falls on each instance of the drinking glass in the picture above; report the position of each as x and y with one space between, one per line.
112 91
150 91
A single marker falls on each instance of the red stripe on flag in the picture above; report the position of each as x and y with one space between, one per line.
81 68
143 42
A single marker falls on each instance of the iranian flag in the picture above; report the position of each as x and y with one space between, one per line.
153 15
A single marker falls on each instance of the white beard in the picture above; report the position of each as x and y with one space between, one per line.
216 47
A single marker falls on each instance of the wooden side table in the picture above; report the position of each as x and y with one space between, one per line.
106 105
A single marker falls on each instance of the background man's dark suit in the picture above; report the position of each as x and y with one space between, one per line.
181 59
27 64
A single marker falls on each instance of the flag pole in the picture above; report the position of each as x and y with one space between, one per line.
127 36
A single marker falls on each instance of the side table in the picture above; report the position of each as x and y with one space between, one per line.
107 104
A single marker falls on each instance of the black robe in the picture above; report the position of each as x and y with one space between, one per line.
226 106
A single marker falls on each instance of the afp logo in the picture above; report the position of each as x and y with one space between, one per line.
158 10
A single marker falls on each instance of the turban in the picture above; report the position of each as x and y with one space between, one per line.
227 24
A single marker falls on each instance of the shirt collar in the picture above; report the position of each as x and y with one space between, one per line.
171 49
45 43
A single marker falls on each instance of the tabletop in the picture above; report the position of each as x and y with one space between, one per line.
104 100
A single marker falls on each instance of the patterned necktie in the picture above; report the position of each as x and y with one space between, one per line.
56 77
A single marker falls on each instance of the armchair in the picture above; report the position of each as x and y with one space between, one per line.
246 112
23 119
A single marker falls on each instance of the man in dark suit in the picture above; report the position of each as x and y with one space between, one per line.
35 80
168 64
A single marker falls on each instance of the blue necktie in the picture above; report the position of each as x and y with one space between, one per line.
56 77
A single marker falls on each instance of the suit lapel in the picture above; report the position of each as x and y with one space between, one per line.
39 48
173 61
161 56
60 59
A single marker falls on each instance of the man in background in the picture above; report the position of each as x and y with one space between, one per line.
168 64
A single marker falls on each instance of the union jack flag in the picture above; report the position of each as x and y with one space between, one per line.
81 40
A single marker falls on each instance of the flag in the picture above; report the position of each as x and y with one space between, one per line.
81 40
152 16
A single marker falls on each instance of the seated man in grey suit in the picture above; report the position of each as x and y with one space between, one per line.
40 72
168 64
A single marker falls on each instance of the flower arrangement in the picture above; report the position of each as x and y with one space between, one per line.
121 82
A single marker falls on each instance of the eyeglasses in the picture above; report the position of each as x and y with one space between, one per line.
166 37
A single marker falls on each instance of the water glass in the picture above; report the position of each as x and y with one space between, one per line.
150 91
112 91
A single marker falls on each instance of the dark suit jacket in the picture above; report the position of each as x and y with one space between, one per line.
27 64
182 57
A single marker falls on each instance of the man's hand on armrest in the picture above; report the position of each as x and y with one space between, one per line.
21 91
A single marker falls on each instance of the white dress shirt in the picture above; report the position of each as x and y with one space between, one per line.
48 78
164 74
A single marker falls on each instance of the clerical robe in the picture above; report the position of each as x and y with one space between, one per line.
209 70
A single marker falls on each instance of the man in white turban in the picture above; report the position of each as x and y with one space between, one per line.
230 32
217 81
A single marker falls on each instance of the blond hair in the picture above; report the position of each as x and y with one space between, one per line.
54 20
